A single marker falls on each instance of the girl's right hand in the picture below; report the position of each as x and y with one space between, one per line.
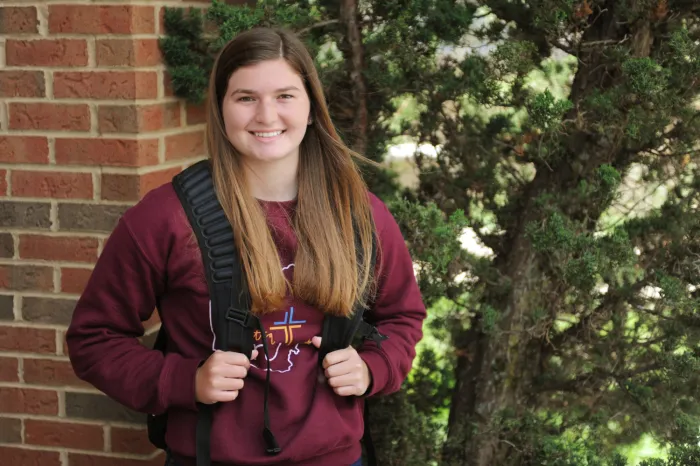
220 378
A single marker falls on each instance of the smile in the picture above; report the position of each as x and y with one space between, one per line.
270 134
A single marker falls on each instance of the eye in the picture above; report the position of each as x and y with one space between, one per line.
286 96
244 99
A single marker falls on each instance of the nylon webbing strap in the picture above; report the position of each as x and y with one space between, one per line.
230 307
339 332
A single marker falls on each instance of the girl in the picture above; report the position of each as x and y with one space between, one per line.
299 209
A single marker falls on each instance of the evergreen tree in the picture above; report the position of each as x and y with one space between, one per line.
579 332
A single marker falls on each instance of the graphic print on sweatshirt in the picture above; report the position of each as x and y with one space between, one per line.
280 338
283 342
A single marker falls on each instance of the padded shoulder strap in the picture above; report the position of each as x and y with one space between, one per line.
228 289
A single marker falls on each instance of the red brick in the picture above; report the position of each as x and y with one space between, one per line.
98 19
20 83
3 182
138 118
128 52
106 84
46 52
18 20
28 401
73 280
56 185
77 459
64 343
168 85
49 116
26 277
9 370
118 187
153 180
133 441
24 149
29 340
161 20
196 114
22 457
115 152
64 435
10 430
185 145
58 248
51 372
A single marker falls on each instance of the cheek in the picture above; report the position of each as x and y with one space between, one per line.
233 120
299 117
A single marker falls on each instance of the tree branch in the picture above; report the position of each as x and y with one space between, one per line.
599 375
320 24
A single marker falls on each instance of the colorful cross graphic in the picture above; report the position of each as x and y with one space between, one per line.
288 325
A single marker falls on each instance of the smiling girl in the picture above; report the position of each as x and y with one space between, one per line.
299 210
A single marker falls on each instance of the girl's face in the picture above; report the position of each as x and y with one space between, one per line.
266 111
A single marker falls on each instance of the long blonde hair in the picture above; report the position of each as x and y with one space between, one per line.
333 215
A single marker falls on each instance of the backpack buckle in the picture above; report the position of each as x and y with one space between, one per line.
241 317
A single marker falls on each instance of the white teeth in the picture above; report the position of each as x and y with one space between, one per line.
268 135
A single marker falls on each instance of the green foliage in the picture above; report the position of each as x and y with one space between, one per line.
680 456
574 331
546 111
186 53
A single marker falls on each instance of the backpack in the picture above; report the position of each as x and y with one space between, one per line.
233 323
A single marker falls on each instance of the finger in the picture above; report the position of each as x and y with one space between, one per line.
348 390
234 359
316 341
338 356
227 357
224 396
343 368
230 371
346 380
254 356
223 384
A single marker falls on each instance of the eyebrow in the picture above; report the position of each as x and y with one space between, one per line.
249 91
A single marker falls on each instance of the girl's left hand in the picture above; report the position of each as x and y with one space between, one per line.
345 370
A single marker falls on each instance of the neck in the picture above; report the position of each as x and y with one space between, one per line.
273 181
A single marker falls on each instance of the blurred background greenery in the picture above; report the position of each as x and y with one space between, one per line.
541 159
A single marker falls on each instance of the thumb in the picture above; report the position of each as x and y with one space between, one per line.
254 356
316 341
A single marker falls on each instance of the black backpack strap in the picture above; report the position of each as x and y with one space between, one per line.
339 333
232 321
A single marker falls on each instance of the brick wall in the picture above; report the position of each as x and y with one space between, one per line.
88 125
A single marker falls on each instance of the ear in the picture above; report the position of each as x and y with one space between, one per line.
311 120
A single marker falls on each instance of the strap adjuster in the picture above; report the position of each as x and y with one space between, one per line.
370 332
243 318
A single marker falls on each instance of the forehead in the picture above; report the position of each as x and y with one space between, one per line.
266 76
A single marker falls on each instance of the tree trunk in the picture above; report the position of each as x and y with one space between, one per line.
354 54
494 372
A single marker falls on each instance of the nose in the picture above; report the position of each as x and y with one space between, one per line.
266 111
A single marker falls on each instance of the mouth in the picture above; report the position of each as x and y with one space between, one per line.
267 134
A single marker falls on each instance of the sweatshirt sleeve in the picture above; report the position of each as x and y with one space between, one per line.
103 335
398 310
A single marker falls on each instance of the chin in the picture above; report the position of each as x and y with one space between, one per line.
271 157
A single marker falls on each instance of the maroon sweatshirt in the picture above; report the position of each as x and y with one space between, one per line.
152 260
